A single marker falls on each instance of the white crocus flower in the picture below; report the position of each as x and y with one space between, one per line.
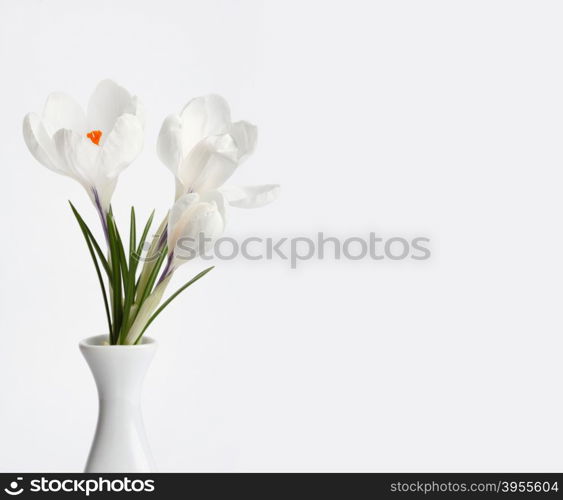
193 222
93 147
202 148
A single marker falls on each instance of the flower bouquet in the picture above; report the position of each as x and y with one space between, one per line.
202 147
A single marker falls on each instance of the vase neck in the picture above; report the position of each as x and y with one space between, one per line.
119 371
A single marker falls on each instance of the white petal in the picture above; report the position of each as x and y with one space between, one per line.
62 111
138 109
103 190
122 145
169 145
77 155
215 196
180 190
177 213
40 143
209 164
202 117
108 102
245 136
250 196
201 226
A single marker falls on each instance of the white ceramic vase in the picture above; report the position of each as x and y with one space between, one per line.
120 444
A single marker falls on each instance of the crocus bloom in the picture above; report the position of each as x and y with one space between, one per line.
203 148
93 147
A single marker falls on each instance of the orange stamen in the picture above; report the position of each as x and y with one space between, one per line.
95 136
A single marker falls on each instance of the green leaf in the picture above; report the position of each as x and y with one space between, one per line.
121 249
171 298
116 295
86 229
132 235
138 253
131 308
91 242
153 275
151 261
129 285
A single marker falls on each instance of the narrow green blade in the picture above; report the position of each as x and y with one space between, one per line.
172 297
129 285
86 229
115 262
151 261
88 237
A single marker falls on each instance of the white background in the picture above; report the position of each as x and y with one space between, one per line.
441 119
